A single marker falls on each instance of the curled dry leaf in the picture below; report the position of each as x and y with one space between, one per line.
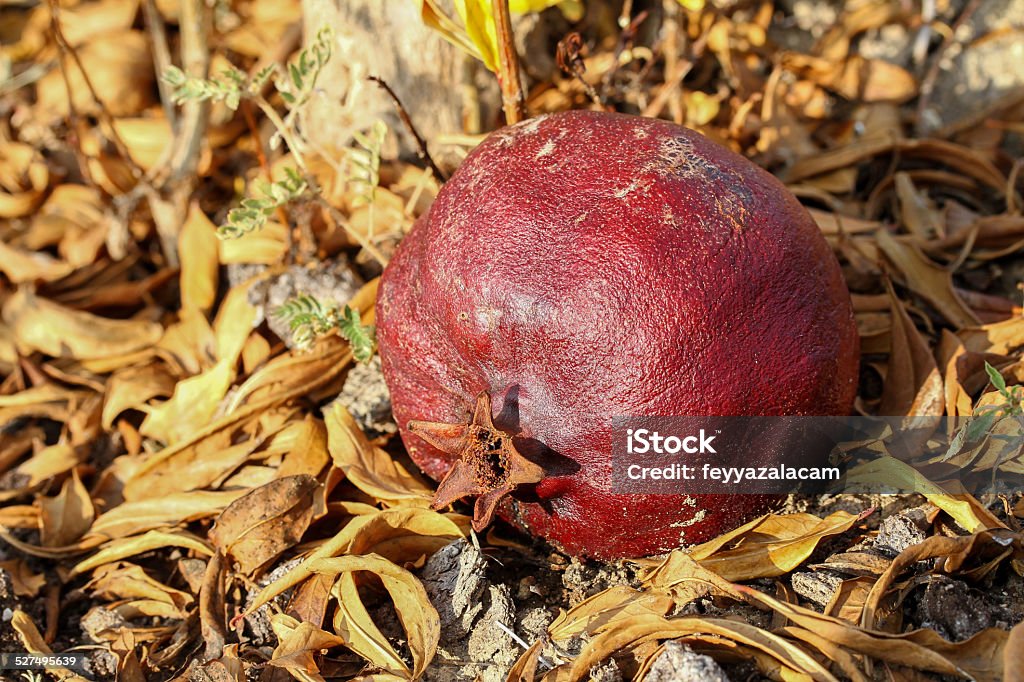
39 324
22 266
133 387
34 643
979 657
927 280
913 384
124 580
788 659
25 582
766 547
192 406
265 522
406 535
353 624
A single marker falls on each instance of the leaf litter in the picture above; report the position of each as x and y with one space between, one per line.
186 493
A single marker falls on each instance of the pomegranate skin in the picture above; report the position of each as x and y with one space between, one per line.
584 265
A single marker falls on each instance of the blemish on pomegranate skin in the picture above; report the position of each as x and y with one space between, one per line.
547 149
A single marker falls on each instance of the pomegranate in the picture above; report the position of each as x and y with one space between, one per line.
584 265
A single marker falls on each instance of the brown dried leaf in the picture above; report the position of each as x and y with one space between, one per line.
298 643
913 385
927 280
23 580
419 619
39 324
65 517
265 522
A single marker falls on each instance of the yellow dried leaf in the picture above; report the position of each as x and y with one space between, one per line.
23 179
370 468
143 515
391 533
49 462
34 643
419 619
192 406
45 326
297 644
65 517
199 248
266 246
235 319
129 581
123 548
132 387
766 547
29 266
120 68
620 601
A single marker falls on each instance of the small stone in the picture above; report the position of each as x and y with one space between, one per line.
366 397
902 530
816 586
678 663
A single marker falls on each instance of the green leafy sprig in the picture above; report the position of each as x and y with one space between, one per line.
309 318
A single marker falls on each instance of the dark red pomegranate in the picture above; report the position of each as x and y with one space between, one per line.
584 265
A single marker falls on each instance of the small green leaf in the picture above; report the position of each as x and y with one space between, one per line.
361 337
996 378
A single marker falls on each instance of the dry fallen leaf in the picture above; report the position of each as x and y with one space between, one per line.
353 624
39 324
260 525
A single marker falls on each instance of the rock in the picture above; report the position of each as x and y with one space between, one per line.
900 531
980 72
678 663
258 622
958 611
606 672
366 397
331 281
816 586
470 608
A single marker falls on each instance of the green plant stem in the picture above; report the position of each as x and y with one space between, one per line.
314 186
